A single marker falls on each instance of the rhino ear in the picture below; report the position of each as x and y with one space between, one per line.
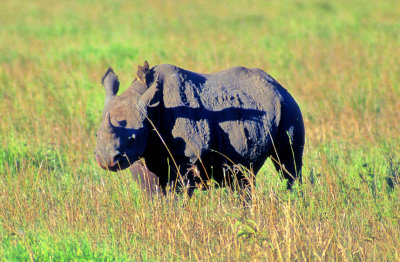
110 82
142 71
146 65
152 96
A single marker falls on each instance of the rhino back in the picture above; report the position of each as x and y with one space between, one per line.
235 112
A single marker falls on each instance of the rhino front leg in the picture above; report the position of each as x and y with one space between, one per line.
146 179
244 181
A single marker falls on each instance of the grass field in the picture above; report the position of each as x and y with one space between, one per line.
339 59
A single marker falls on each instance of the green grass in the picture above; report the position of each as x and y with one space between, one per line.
338 59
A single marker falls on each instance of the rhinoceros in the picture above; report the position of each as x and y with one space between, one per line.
197 126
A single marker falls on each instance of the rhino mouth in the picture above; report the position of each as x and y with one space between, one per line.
114 164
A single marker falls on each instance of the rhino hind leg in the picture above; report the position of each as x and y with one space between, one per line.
287 157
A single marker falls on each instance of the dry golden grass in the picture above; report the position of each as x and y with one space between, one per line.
339 60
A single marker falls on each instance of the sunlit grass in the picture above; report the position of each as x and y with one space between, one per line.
338 59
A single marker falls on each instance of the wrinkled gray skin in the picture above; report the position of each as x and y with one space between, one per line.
208 121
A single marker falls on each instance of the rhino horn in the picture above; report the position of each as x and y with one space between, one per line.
108 124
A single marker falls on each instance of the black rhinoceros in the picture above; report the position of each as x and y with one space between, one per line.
177 119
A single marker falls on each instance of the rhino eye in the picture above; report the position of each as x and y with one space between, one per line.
122 123
131 140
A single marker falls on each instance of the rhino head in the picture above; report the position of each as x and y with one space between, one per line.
123 132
